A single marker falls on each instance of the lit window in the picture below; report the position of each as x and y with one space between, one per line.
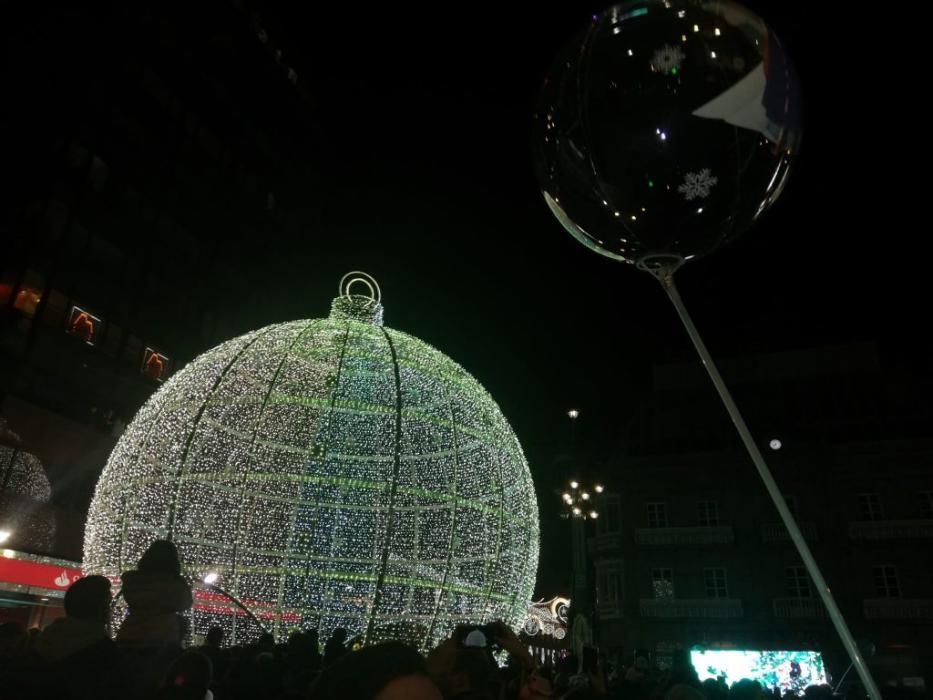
28 293
84 325
155 365
27 299
662 583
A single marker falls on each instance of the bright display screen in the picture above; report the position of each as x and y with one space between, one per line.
788 670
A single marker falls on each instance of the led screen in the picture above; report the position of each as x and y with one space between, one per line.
789 670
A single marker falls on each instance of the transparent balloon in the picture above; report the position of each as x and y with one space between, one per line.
666 128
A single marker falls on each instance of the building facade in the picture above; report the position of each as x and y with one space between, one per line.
689 550
142 164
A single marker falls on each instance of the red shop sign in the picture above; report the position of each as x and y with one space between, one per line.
29 573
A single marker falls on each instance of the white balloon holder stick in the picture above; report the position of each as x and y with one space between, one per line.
663 267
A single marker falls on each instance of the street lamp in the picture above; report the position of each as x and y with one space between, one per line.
4 535
573 414
578 501
578 508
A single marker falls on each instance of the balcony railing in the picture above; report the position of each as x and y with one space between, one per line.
777 532
877 530
679 536
799 608
609 609
606 542
698 608
898 608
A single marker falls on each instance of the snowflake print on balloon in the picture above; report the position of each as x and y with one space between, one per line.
698 185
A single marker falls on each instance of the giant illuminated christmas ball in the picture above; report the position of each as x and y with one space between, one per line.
334 473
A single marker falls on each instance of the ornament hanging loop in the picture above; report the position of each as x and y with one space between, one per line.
358 277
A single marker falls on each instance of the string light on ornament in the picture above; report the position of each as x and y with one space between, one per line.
23 475
333 473
24 499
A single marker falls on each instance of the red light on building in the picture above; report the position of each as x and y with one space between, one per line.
155 364
28 573
27 299
218 604
84 325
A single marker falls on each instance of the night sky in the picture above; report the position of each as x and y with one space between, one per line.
425 180
427 114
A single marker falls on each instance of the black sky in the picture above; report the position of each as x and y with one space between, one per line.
422 116
426 113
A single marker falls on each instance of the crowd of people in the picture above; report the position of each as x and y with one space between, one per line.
76 657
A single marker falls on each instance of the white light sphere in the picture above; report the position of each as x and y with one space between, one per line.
334 473
25 493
